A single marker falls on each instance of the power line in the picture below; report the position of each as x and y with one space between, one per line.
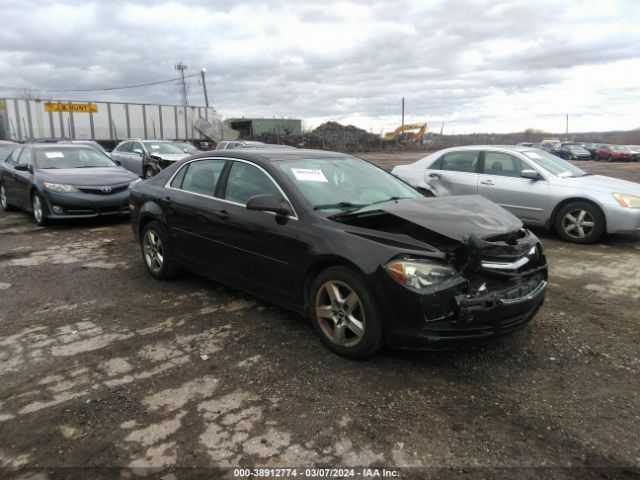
181 78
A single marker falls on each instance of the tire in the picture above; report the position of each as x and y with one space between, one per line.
580 222
149 172
4 201
156 252
38 210
351 331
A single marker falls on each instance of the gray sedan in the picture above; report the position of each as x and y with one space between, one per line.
536 186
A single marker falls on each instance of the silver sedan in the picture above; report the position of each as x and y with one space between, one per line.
536 186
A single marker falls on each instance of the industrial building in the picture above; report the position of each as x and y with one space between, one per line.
250 127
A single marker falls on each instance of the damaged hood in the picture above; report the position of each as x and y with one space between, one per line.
455 217
170 157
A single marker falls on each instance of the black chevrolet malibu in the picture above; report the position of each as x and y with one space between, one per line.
61 181
337 239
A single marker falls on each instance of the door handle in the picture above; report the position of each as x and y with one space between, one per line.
487 182
434 175
221 214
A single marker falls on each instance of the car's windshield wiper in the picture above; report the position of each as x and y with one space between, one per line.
339 205
390 199
585 174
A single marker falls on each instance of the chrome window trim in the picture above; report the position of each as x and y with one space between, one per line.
168 184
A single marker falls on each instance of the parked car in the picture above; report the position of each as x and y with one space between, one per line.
524 144
573 151
550 146
590 147
613 153
6 147
62 181
536 186
231 144
635 152
147 158
368 258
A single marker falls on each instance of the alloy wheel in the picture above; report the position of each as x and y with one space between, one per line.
578 223
340 313
37 209
149 173
153 251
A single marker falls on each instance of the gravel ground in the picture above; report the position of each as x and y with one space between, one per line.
107 373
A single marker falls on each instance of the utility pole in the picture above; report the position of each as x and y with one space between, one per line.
204 87
181 67
567 135
402 111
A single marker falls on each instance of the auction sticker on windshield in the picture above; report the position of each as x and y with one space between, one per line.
309 175
54 154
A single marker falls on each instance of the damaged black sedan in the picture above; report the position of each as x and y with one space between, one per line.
369 259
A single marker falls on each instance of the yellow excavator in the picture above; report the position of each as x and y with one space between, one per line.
412 136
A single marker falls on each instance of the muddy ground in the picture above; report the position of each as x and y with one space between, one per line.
105 372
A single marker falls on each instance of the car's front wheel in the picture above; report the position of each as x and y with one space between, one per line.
39 210
344 314
580 222
156 252
4 201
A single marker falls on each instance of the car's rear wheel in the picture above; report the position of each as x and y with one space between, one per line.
4 201
344 314
156 252
39 210
580 222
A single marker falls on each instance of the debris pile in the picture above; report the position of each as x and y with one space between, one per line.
329 136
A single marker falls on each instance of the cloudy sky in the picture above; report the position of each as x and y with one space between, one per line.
476 65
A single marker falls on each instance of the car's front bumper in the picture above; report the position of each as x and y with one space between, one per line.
85 205
447 318
623 220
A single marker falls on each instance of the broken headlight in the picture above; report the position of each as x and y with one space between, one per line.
419 273
627 201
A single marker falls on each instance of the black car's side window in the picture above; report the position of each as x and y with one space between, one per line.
177 180
245 181
463 161
201 177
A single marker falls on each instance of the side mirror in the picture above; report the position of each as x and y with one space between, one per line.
22 167
530 174
138 151
269 203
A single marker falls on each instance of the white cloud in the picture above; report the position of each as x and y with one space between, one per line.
476 65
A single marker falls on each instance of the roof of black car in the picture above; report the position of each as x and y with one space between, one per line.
273 154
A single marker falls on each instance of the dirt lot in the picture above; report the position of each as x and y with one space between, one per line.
105 372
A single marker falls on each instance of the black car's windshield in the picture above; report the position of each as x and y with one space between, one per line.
86 157
342 184
554 165
5 151
163 148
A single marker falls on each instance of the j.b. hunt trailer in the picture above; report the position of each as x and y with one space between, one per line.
107 122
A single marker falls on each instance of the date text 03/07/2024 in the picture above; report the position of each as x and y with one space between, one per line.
316 473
